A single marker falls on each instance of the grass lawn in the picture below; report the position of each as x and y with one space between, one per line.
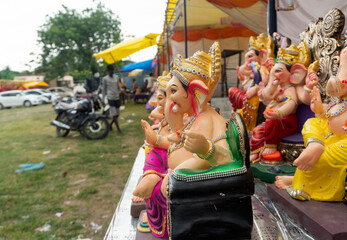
83 179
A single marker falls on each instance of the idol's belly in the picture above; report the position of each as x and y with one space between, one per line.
177 157
336 123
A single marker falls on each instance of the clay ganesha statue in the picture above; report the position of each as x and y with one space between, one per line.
155 166
200 129
253 73
281 97
321 172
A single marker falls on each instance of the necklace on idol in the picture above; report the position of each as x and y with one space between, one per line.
341 110
180 144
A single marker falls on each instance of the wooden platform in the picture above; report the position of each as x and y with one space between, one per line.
324 220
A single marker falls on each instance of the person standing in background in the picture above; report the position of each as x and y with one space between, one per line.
123 91
111 89
135 86
92 84
151 81
145 86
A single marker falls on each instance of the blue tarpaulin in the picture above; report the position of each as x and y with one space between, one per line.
145 65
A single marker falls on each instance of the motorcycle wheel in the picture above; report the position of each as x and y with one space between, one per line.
95 129
61 132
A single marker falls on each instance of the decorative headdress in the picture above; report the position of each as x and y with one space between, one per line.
295 54
262 42
201 66
163 80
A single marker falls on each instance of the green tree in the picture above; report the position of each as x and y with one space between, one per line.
69 39
8 74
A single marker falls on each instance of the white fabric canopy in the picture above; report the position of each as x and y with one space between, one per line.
253 17
292 23
200 13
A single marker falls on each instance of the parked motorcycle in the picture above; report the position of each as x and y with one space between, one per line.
81 116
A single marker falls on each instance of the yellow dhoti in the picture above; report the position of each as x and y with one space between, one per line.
326 180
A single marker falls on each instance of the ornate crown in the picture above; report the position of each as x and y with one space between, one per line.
201 66
262 42
163 80
295 54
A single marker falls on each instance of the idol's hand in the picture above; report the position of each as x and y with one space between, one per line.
150 135
196 142
316 101
269 63
251 92
311 80
271 115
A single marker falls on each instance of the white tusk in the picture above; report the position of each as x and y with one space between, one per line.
175 108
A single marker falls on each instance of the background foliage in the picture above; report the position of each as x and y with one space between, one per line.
8 74
69 39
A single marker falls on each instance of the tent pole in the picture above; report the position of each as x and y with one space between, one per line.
168 47
167 40
185 29
115 62
272 17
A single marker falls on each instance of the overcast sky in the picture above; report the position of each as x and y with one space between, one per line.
20 20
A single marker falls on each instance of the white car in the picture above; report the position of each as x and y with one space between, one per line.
17 98
46 96
62 91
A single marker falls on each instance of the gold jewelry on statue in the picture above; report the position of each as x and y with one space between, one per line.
279 113
219 137
320 115
339 111
153 172
163 80
313 139
295 54
174 147
313 67
158 140
244 82
307 89
201 66
210 152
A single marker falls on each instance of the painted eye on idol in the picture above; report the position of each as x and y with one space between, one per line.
173 90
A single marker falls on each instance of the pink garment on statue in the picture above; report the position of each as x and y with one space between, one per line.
156 160
157 212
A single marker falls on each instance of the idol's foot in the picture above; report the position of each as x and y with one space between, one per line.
255 157
268 151
309 156
145 187
136 199
282 182
144 218
142 225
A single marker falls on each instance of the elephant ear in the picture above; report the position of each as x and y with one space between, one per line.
298 73
262 56
199 91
